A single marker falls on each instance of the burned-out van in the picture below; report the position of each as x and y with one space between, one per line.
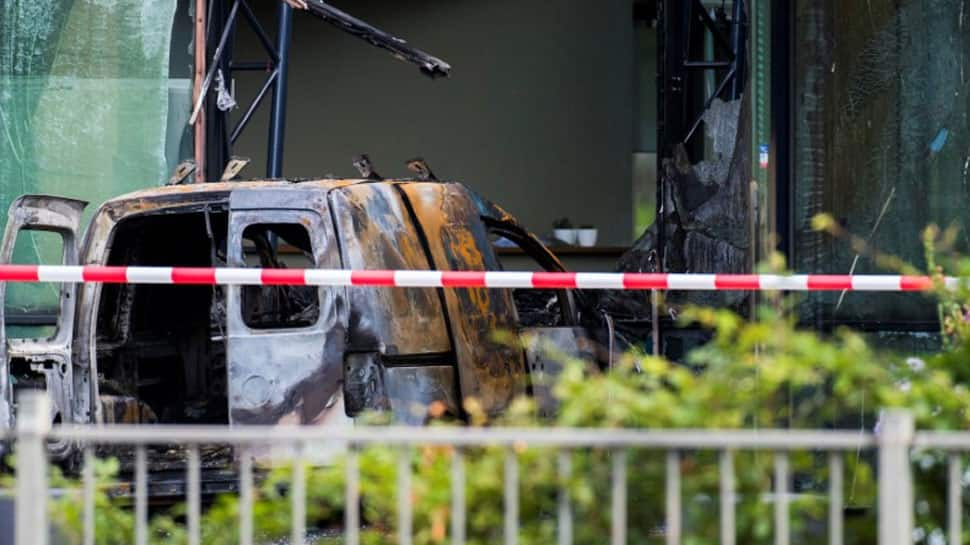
146 353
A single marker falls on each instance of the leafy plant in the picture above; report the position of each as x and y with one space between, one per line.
761 374
758 374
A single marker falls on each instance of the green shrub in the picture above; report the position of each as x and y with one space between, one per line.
758 374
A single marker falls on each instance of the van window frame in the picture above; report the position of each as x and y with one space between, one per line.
534 249
239 221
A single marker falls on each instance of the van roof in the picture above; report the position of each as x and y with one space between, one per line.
324 184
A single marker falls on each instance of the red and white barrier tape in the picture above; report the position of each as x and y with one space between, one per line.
464 279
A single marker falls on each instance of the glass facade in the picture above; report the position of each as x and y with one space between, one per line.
881 141
88 109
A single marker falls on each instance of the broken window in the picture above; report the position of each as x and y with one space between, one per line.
881 142
536 308
32 309
279 246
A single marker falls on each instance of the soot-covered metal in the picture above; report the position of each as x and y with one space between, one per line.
292 354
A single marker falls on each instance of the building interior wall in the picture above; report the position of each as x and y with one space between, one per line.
538 114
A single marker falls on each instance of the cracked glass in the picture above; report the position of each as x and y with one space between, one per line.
882 143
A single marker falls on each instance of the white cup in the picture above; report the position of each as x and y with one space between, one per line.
586 237
566 235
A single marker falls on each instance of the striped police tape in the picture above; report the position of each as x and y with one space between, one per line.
464 279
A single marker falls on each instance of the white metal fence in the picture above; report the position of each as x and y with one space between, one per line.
892 444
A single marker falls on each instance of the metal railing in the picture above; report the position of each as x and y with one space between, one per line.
893 444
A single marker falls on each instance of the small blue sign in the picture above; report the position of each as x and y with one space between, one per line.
763 155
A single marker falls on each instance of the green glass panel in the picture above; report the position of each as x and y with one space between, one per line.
87 107
881 141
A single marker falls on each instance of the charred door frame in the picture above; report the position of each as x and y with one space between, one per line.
534 249
55 354
678 111
677 108
677 118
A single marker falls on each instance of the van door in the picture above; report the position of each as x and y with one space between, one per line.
491 370
285 344
42 361
400 355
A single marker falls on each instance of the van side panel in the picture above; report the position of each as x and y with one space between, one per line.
489 370
399 356
376 232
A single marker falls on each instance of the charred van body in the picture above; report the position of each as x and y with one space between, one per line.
153 353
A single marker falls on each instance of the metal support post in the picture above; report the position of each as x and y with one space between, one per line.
197 91
277 115
738 38
895 479
726 470
33 423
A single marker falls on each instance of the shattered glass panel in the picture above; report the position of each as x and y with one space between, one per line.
882 140
87 106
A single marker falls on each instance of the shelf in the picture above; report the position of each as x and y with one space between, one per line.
561 251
